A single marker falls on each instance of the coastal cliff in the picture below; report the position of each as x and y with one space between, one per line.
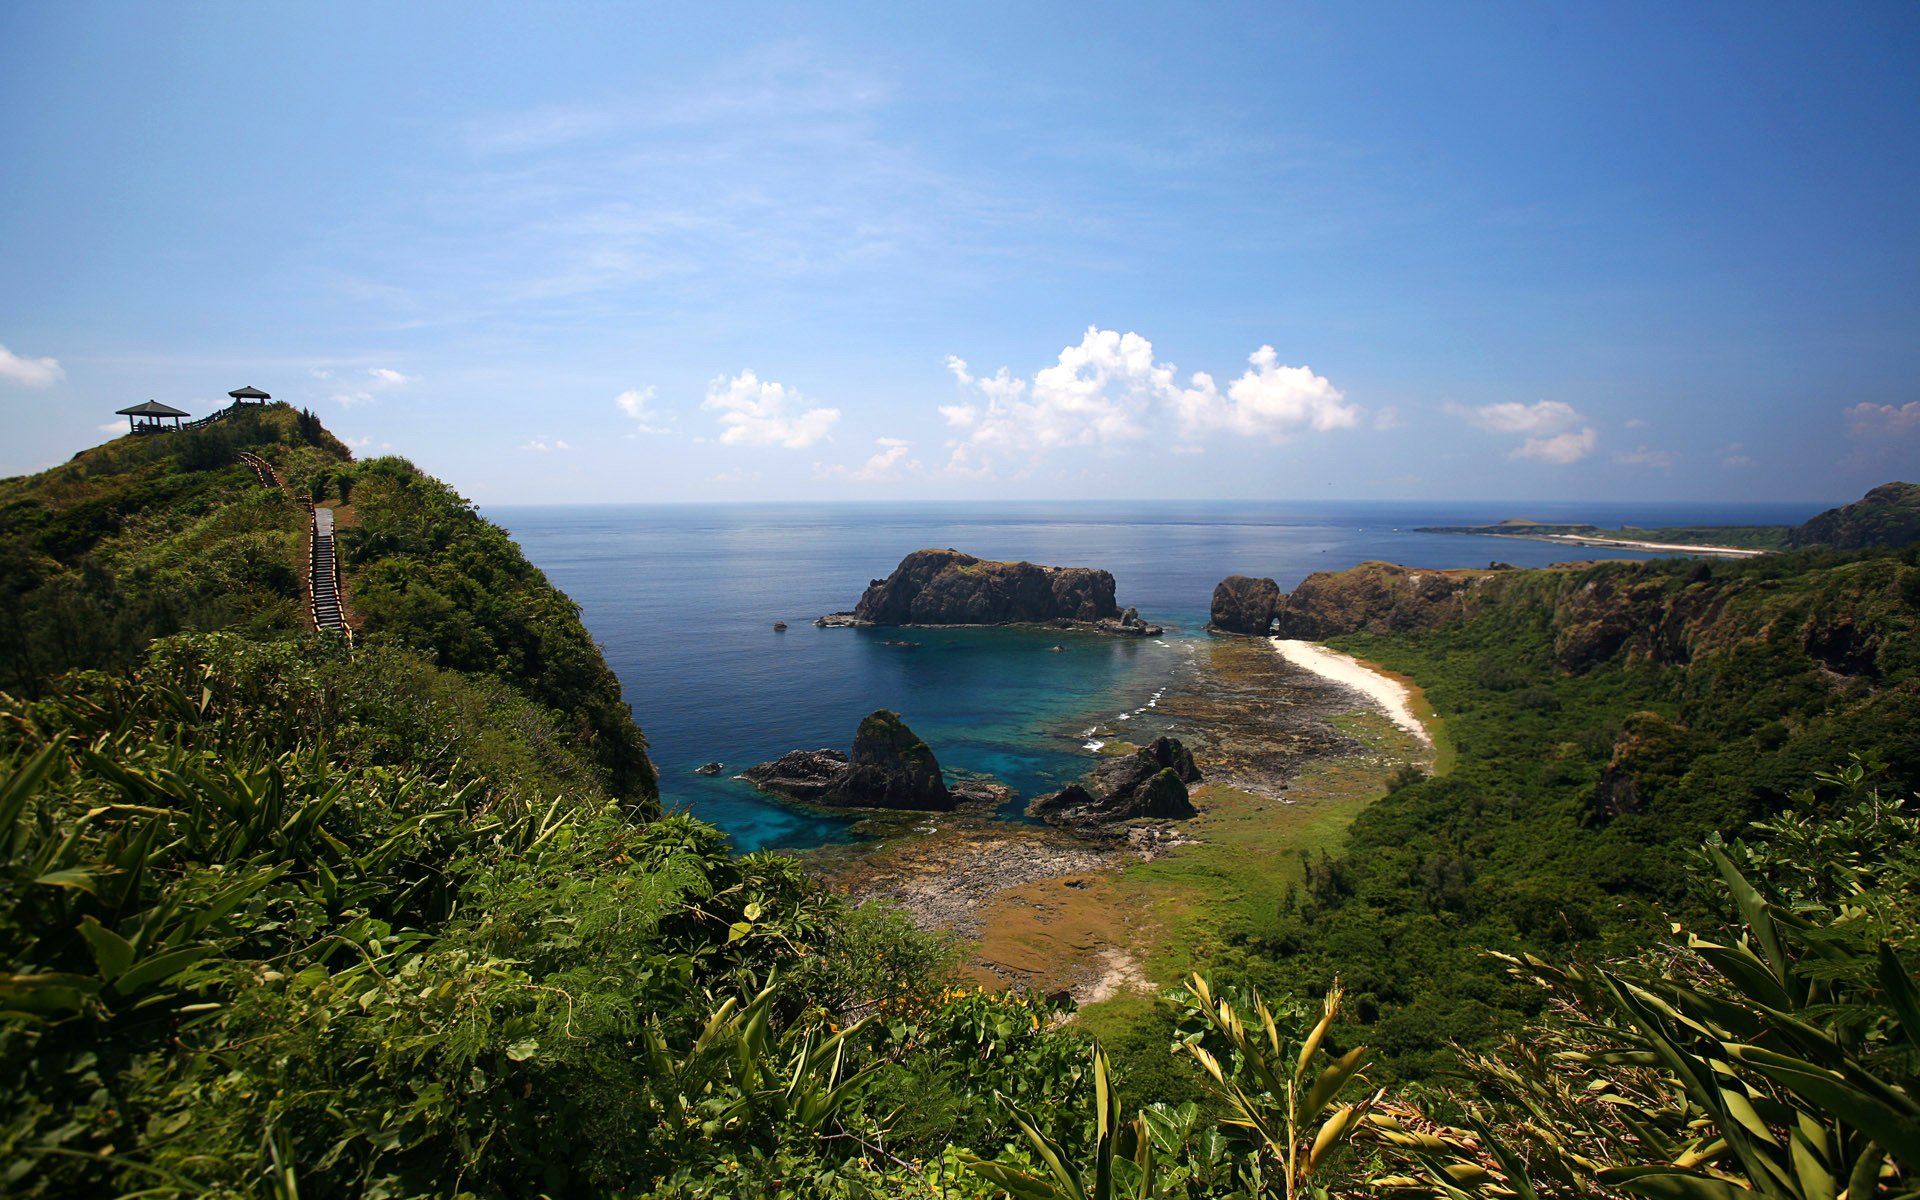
947 587
1889 515
1667 613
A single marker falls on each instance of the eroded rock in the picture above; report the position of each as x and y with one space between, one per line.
1150 782
891 767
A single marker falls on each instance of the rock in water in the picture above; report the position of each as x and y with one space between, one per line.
811 775
946 587
1150 782
712 768
779 626
891 767
1243 604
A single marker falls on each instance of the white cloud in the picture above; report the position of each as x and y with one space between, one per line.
1642 456
1387 418
1561 448
29 372
889 462
1542 417
1269 401
1109 390
756 413
1547 424
110 427
378 380
1880 420
1636 423
1734 455
544 444
637 403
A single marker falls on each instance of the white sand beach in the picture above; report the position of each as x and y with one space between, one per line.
1389 694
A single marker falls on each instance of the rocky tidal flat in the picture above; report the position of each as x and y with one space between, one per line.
1036 902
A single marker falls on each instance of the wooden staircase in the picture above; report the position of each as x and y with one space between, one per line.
323 574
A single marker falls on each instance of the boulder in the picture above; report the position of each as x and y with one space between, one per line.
712 768
801 775
1244 605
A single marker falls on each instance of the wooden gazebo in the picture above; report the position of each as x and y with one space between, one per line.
151 417
249 395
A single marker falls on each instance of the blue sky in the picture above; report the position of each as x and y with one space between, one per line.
606 252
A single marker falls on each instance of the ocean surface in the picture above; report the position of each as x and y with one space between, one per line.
683 598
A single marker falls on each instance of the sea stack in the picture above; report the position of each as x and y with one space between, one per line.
1244 605
947 587
891 767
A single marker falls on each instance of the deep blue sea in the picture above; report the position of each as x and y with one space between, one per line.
683 598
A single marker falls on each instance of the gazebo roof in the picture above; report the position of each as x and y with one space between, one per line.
249 393
152 408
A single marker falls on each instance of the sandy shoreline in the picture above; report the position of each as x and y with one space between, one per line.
1391 695
1579 539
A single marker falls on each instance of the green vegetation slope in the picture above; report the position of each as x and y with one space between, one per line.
281 919
1607 718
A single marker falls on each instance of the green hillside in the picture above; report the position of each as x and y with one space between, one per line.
286 918
149 536
1607 719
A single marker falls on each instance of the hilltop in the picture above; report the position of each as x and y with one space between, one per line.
149 536
1889 515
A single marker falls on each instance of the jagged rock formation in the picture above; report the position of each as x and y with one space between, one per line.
1150 782
1245 605
1376 597
891 767
1889 515
946 587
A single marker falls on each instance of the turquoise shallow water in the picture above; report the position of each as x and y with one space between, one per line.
683 598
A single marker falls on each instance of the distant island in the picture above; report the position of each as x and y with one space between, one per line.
1728 541
1889 515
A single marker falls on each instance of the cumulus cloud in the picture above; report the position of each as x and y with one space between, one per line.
1561 448
1548 426
29 372
1876 420
637 403
889 462
1734 455
1643 456
1271 400
1109 390
765 413
546 445
1636 423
